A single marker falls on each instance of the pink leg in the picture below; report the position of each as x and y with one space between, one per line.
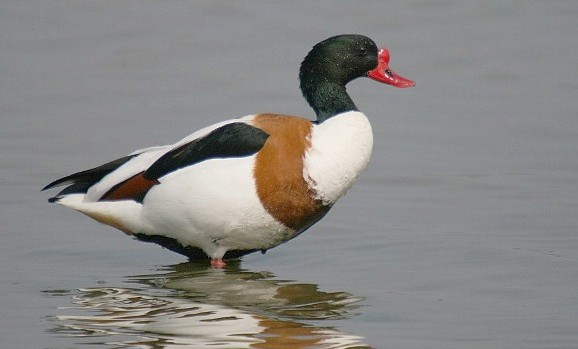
217 263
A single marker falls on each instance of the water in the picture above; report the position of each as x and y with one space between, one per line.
462 233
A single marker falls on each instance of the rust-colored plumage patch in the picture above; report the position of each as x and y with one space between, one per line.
134 188
279 171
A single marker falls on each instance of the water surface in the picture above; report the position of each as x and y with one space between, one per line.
462 233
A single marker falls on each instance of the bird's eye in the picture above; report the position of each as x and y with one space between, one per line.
362 50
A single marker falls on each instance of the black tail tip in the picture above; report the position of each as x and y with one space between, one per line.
54 199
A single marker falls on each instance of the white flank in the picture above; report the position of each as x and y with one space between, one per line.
212 205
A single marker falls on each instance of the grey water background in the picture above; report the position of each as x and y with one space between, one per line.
462 233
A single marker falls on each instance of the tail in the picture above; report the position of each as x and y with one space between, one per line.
80 182
122 215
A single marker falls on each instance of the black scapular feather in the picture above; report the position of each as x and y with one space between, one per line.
231 140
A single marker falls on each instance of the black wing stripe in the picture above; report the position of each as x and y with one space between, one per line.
231 140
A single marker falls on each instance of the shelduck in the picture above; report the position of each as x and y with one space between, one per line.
247 184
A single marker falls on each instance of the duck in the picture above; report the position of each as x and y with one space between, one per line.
247 184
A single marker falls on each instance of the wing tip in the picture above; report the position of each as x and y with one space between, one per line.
51 185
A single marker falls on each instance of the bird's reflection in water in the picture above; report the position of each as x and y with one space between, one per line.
191 305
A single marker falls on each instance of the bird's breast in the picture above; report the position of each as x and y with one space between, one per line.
340 150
